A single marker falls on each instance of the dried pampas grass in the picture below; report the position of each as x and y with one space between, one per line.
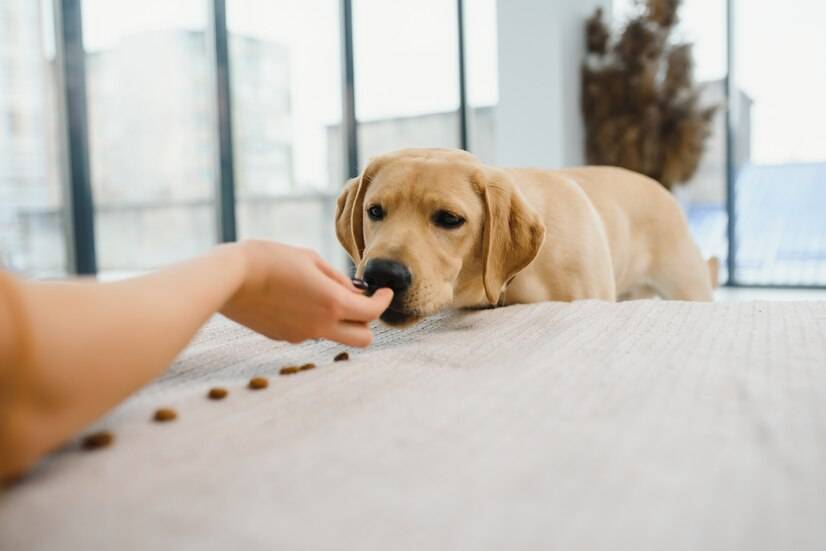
639 99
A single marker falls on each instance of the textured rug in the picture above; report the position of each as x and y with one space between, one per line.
641 425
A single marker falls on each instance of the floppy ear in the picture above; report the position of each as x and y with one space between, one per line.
512 235
350 211
344 219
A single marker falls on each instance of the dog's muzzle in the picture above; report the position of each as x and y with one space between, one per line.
382 272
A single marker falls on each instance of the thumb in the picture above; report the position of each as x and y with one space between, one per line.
382 297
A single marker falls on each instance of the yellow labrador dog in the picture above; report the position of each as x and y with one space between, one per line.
444 230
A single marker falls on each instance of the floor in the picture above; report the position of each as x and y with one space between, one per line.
739 294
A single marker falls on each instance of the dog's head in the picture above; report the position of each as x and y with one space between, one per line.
439 228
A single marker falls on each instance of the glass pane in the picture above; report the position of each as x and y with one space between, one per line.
286 92
482 75
781 184
151 130
407 83
702 23
31 211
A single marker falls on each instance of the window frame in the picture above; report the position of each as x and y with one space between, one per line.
72 114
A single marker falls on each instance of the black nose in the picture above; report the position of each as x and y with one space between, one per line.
387 273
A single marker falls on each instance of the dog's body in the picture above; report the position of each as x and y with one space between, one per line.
525 235
610 233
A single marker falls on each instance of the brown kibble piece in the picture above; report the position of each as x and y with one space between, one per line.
98 440
289 370
341 357
257 383
305 367
163 415
217 393
360 284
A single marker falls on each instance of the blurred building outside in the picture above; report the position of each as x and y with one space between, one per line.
30 181
145 96
152 92
152 142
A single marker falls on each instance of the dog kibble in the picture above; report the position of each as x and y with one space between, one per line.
164 415
289 370
257 383
217 393
98 440
360 284
341 357
305 367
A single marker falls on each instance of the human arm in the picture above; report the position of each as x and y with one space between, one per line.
69 351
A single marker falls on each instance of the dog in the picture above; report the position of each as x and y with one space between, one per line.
443 230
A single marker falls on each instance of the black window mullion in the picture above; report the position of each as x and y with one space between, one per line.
348 93
70 60
463 108
731 169
225 191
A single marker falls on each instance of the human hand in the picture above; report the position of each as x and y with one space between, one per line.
291 294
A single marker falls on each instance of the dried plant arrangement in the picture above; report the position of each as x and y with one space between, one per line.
639 99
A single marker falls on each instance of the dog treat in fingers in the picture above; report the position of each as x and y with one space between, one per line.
341 357
307 366
97 440
257 383
360 284
217 393
163 415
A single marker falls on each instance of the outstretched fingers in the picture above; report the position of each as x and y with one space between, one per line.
358 307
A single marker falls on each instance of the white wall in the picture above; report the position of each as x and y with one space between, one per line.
541 47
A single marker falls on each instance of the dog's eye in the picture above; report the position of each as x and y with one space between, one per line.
375 212
447 219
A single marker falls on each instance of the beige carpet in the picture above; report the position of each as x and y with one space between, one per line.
644 425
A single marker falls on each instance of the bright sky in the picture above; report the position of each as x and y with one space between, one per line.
406 59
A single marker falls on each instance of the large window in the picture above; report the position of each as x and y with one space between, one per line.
780 64
407 81
31 213
151 130
154 72
778 146
285 58
153 79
